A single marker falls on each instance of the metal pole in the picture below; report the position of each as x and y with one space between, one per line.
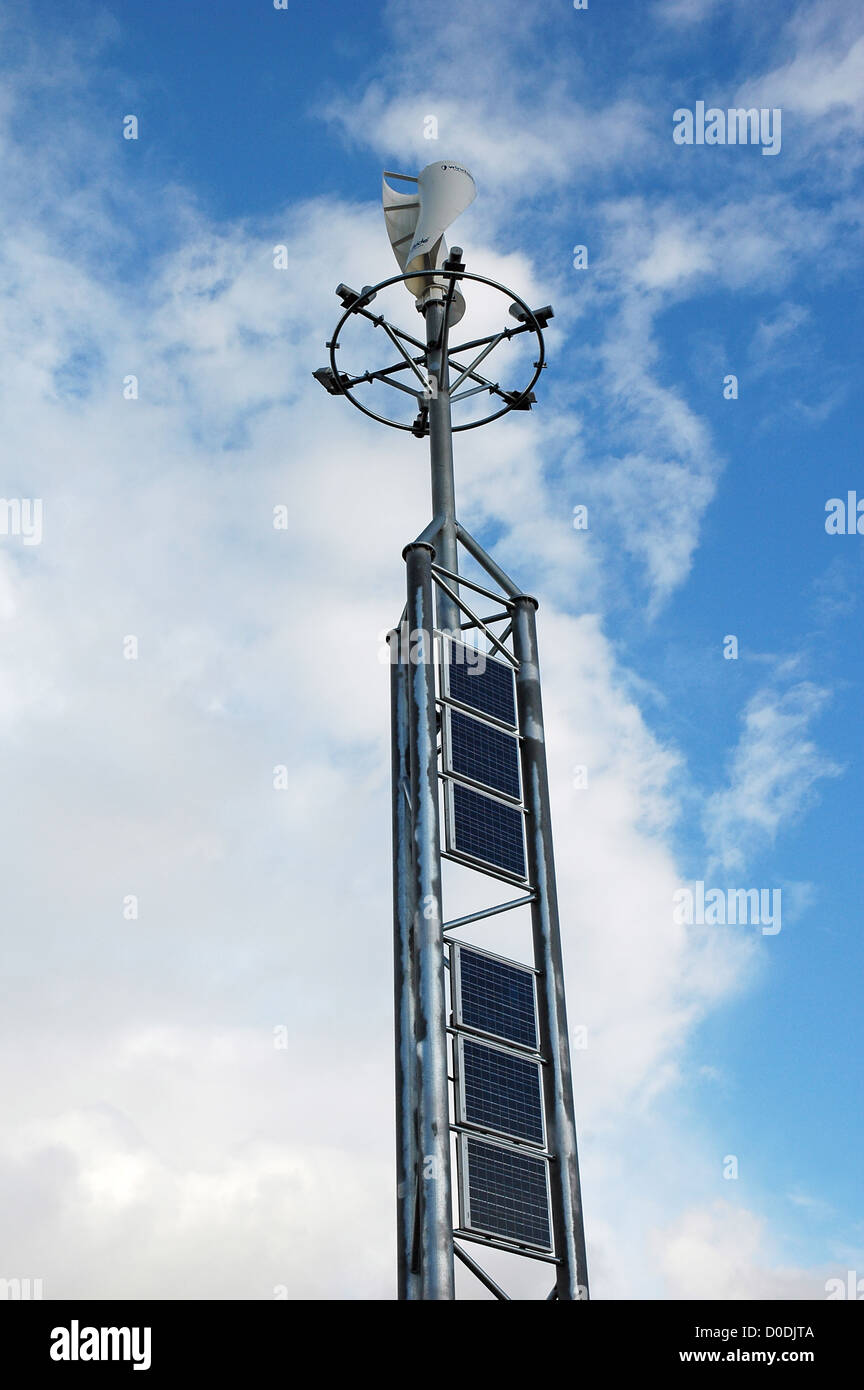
435 1226
572 1282
441 453
407 1166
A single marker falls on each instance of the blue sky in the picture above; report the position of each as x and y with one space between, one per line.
153 777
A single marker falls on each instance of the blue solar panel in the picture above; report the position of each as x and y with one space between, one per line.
500 1091
505 1193
487 830
486 685
494 996
483 753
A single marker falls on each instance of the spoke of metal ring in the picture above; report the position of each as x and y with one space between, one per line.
383 372
474 390
476 363
505 333
409 390
475 376
378 320
384 377
493 339
380 374
528 322
410 361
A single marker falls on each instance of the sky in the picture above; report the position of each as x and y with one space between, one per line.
197 1072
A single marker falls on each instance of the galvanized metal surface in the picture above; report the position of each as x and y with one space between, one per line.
425 1212
479 1273
572 1281
407 1165
435 1217
491 566
441 458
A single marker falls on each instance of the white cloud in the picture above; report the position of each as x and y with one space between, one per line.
722 1251
774 770
784 323
824 77
160 1145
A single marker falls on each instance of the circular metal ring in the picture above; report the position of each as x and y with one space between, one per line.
369 294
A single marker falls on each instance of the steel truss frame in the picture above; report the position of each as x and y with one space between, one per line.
518 646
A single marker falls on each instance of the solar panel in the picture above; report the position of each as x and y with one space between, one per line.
499 1090
504 1193
482 752
486 829
494 995
485 684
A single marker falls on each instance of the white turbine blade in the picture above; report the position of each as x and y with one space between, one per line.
446 189
401 212
450 189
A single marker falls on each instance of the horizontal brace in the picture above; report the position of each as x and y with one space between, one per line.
493 1244
491 618
519 1146
489 912
478 714
479 1035
481 867
473 785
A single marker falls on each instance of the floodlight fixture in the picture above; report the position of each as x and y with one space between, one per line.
334 385
539 316
349 296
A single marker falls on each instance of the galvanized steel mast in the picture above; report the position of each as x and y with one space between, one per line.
545 1161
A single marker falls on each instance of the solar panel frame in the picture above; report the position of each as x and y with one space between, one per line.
466 1018
499 1088
474 1149
455 790
456 724
495 706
